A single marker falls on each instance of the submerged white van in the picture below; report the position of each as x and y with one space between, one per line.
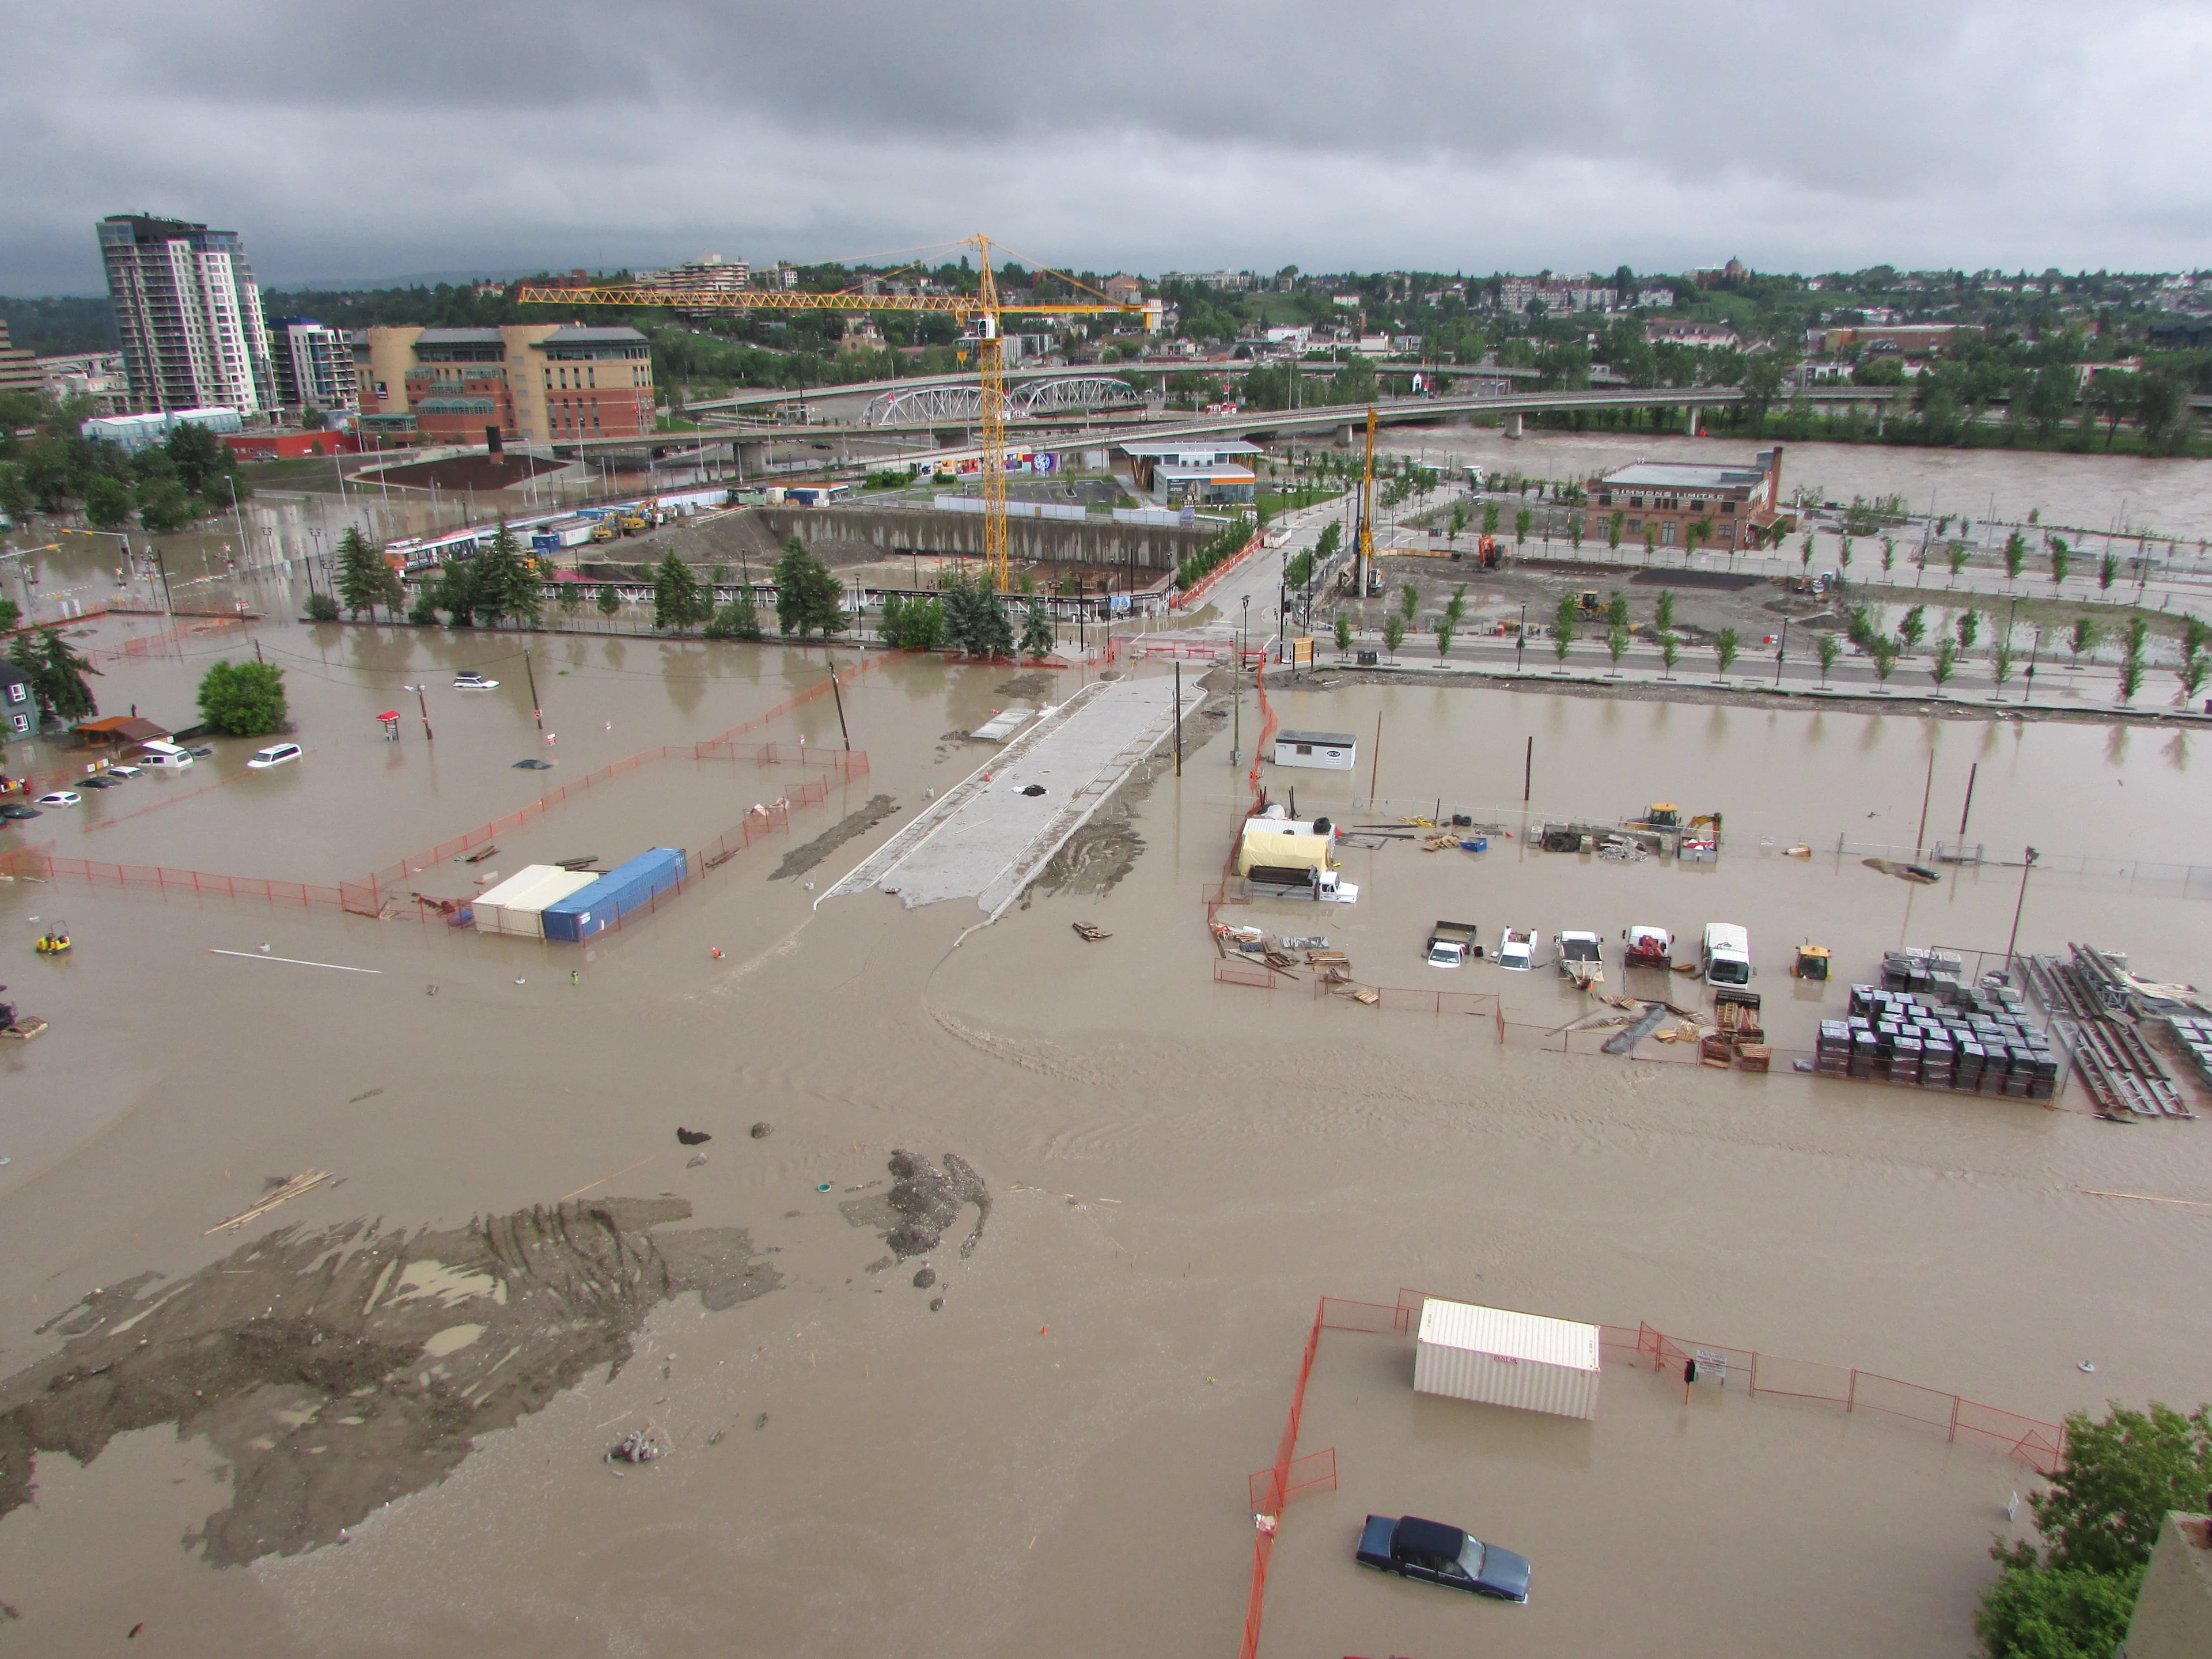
1726 954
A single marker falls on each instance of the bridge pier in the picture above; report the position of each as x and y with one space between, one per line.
1513 424
1689 417
1344 435
751 458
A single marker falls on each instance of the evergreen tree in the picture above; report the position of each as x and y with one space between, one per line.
457 593
975 620
506 585
1038 636
56 675
360 573
738 620
677 599
807 594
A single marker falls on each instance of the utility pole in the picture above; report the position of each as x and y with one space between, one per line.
1178 696
2018 907
1971 773
840 696
536 713
424 703
1781 651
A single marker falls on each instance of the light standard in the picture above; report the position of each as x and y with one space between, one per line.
1521 639
1781 651
424 703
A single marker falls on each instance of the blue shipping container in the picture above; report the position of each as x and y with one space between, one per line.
625 888
543 543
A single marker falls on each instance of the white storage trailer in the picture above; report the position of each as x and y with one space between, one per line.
1499 1357
517 905
1332 752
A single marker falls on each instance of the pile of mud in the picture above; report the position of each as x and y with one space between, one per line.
339 1369
923 1203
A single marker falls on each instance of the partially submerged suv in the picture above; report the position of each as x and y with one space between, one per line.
1429 1550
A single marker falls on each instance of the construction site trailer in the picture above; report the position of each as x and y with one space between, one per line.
625 888
1332 752
1293 852
515 905
1498 1358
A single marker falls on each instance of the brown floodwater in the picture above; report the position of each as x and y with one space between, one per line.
1055 1458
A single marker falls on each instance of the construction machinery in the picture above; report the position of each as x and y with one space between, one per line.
1660 814
1700 842
1589 604
1811 963
1648 947
980 312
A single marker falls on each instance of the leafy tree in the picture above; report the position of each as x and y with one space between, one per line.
1565 618
678 601
457 593
1670 649
1650 540
1614 526
1858 625
1343 633
203 462
1888 554
1697 530
2191 674
1883 650
609 599
1663 614
423 613
1946 662
1038 638
2001 661
1490 510
738 620
1829 648
1844 555
2137 635
8 615
1956 554
570 598
2015 555
807 597
1726 644
1521 521
1409 601
911 624
1446 625
1575 532
1616 643
1457 523
504 583
1913 628
1331 537
2056 1612
2131 678
107 502
2083 638
1970 627
1616 609
2061 560
321 607
2108 571
243 699
165 508
1394 633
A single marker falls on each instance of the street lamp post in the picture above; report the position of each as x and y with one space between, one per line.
1781 651
424 703
1521 639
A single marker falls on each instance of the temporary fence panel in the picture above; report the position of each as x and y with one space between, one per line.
1496 1357
622 889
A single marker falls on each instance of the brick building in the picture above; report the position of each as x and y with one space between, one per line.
541 382
1741 503
19 370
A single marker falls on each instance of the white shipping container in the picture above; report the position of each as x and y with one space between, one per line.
1499 1357
517 905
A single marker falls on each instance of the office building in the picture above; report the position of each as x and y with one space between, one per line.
189 314
1739 504
313 365
541 382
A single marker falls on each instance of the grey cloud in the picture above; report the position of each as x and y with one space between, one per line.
413 136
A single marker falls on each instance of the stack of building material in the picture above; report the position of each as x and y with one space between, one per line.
1923 1040
2194 1033
627 887
517 905
1833 1057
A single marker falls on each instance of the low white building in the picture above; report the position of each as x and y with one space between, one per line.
1496 1357
132 432
1330 751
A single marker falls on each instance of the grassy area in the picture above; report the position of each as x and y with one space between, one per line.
1275 503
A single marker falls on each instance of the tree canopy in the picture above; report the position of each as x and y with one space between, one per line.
807 597
243 699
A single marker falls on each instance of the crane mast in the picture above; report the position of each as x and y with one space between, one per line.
981 309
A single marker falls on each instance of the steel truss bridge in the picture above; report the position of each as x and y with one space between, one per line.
959 404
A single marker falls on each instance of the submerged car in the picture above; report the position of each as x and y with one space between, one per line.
275 755
123 769
1517 949
166 760
99 780
1438 1554
60 797
470 680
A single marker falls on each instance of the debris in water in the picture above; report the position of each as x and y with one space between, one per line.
761 1422
762 1131
2083 1365
1090 931
928 1200
285 1190
1034 789
936 1304
638 1446
695 1160
371 1094
925 1278
692 1137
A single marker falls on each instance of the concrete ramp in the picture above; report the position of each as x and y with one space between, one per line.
986 839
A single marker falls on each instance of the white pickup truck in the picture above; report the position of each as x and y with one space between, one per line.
1518 949
1451 943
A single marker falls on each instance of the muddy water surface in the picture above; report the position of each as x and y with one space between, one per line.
1176 1171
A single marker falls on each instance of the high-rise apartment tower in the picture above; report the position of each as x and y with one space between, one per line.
189 314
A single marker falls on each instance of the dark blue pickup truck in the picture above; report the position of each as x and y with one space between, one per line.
1429 1550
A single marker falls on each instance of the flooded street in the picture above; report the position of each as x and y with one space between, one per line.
907 1442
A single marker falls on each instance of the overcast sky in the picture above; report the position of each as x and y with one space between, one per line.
356 142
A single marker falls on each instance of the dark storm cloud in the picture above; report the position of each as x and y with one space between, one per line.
409 137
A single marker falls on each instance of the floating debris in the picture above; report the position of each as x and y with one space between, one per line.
638 1446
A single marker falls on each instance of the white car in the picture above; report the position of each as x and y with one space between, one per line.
469 680
1517 949
275 755
120 770
163 760
60 797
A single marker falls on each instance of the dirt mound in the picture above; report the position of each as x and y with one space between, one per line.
339 1369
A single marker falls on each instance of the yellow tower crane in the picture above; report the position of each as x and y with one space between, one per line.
1364 566
981 310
